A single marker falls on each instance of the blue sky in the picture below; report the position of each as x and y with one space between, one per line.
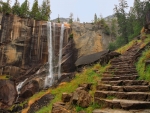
84 9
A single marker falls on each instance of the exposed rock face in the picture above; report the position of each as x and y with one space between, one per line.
23 43
43 101
89 38
24 49
69 57
8 92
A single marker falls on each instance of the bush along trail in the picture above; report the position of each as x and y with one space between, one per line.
120 90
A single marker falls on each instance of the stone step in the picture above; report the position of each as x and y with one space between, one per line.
106 110
123 71
121 63
120 60
119 75
121 68
120 72
122 103
144 96
128 67
125 82
115 78
134 88
118 66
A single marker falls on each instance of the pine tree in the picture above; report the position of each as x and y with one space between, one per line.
6 8
35 13
58 20
24 9
122 20
95 18
78 20
71 18
113 27
45 10
16 8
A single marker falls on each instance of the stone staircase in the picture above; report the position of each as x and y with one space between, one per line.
119 90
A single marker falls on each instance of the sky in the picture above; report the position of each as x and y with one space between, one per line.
84 9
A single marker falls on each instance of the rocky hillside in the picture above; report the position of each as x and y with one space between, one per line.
24 54
89 38
62 20
100 89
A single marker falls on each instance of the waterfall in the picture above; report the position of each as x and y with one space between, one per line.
60 50
49 78
19 86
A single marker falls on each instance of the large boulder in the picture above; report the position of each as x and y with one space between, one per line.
81 98
8 92
38 104
29 89
102 57
90 58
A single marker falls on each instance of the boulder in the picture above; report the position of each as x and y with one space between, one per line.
38 104
81 98
8 92
90 58
66 97
60 107
102 57
86 86
66 77
29 89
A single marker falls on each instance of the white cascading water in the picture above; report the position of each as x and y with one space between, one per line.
19 86
49 78
60 50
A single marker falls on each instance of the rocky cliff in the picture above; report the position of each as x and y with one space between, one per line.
23 50
89 38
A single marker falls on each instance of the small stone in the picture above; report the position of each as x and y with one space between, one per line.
66 97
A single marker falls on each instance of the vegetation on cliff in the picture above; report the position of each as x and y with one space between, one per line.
142 67
37 12
129 23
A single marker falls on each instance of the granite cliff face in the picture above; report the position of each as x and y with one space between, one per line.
23 50
89 38
23 43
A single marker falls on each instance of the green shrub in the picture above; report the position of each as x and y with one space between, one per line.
144 72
